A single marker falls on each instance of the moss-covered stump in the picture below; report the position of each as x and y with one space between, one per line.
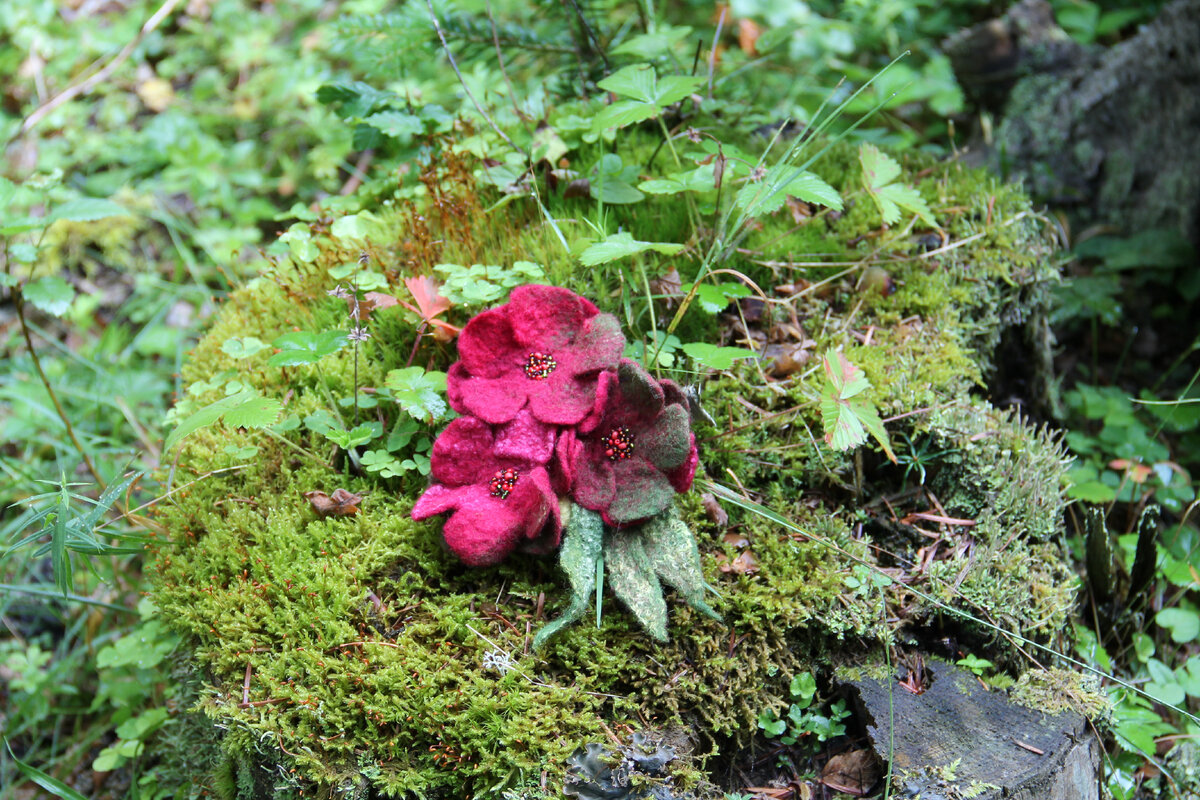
345 651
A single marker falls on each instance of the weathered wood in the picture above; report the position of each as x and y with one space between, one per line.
957 737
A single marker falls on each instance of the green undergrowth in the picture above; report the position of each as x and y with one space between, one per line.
353 653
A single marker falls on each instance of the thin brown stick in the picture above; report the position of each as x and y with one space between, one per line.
19 302
101 75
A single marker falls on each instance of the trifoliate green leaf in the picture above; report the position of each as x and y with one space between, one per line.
716 357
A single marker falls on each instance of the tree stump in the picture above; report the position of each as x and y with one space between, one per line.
957 737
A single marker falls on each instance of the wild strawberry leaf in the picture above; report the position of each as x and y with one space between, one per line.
846 414
258 412
245 409
649 95
768 195
879 172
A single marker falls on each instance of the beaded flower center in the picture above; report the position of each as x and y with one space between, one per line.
503 482
539 366
618 445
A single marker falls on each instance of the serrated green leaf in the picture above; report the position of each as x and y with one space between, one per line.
622 245
420 393
847 417
240 347
358 435
716 357
649 95
879 170
86 209
397 125
763 197
631 576
701 179
583 541
257 412
205 417
672 553
306 347
50 294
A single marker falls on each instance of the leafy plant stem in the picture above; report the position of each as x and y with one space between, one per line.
19 302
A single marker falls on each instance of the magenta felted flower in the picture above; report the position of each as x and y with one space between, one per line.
545 349
636 453
495 486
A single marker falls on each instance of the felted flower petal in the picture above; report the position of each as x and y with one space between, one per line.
641 491
487 346
562 471
564 399
672 393
544 536
682 476
594 484
494 400
437 499
665 443
463 453
483 530
639 388
545 317
597 346
524 439
606 385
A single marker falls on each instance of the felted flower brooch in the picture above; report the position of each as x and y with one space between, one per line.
563 444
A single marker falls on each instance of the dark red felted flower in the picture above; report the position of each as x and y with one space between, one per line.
495 486
635 453
545 349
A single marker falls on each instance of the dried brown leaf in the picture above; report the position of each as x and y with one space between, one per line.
341 503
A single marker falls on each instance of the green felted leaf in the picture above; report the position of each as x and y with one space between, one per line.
632 578
583 540
672 552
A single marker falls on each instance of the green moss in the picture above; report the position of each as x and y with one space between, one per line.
358 653
1055 691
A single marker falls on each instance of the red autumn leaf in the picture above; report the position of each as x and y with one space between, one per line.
373 301
429 305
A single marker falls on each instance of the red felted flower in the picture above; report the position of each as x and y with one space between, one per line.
545 349
631 458
495 486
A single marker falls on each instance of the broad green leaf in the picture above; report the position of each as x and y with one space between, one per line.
397 124
86 209
299 241
357 227
306 347
631 576
716 357
648 94
621 245
240 347
1183 623
8 190
763 198
7 281
583 538
879 172
51 294
701 179
714 297
671 550
358 435
257 412
418 392
653 45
